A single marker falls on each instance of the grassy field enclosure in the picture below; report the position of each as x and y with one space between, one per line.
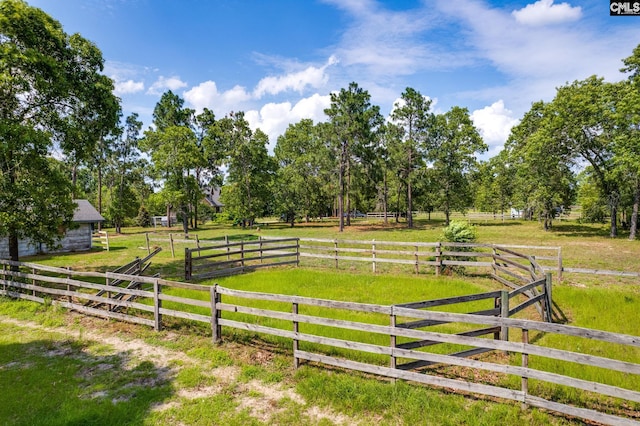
604 303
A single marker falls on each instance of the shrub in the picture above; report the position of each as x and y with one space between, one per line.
460 232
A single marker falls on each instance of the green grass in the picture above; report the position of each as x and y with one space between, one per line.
604 303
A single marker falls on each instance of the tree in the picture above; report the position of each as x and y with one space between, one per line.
125 156
247 191
452 149
353 120
411 114
51 90
626 147
175 153
581 119
543 181
301 182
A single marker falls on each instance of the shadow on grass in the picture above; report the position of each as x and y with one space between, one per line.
579 230
61 382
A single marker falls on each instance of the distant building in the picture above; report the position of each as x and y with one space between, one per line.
212 197
76 239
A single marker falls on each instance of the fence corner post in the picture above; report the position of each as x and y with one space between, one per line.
216 329
504 313
548 284
438 258
560 267
157 305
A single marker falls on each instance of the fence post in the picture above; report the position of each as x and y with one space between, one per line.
148 245
157 305
260 247
216 329
438 258
296 361
392 317
335 247
297 251
548 299
493 260
560 265
525 364
226 242
242 255
373 255
198 244
173 253
187 264
417 262
70 298
504 313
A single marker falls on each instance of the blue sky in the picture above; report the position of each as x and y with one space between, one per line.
278 60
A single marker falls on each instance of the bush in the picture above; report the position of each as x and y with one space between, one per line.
144 218
460 232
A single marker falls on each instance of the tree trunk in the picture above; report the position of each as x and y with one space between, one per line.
100 194
168 215
384 198
614 221
341 185
409 205
185 219
13 248
634 213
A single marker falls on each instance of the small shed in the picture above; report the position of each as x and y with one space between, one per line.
78 238
212 197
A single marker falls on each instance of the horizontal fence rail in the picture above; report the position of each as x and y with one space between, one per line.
397 341
227 258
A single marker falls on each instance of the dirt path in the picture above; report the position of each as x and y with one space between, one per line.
259 399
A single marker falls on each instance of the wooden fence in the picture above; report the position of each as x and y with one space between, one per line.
101 239
229 258
392 341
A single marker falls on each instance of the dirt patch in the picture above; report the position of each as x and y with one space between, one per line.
262 401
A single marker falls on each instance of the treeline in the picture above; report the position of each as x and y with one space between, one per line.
62 136
355 160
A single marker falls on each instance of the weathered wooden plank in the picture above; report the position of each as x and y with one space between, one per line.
585 413
362 307
74 283
466 263
513 274
601 272
426 343
103 313
413 365
450 300
508 261
466 254
184 300
526 304
412 376
527 287
520 323
429 323
185 315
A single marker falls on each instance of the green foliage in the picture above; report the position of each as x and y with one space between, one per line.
52 90
460 232
144 218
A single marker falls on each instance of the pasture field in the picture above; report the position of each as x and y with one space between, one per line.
250 380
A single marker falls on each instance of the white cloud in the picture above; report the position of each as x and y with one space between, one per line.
274 118
206 95
314 77
544 12
494 123
166 83
128 87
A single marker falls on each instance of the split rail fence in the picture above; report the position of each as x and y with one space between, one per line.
405 341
